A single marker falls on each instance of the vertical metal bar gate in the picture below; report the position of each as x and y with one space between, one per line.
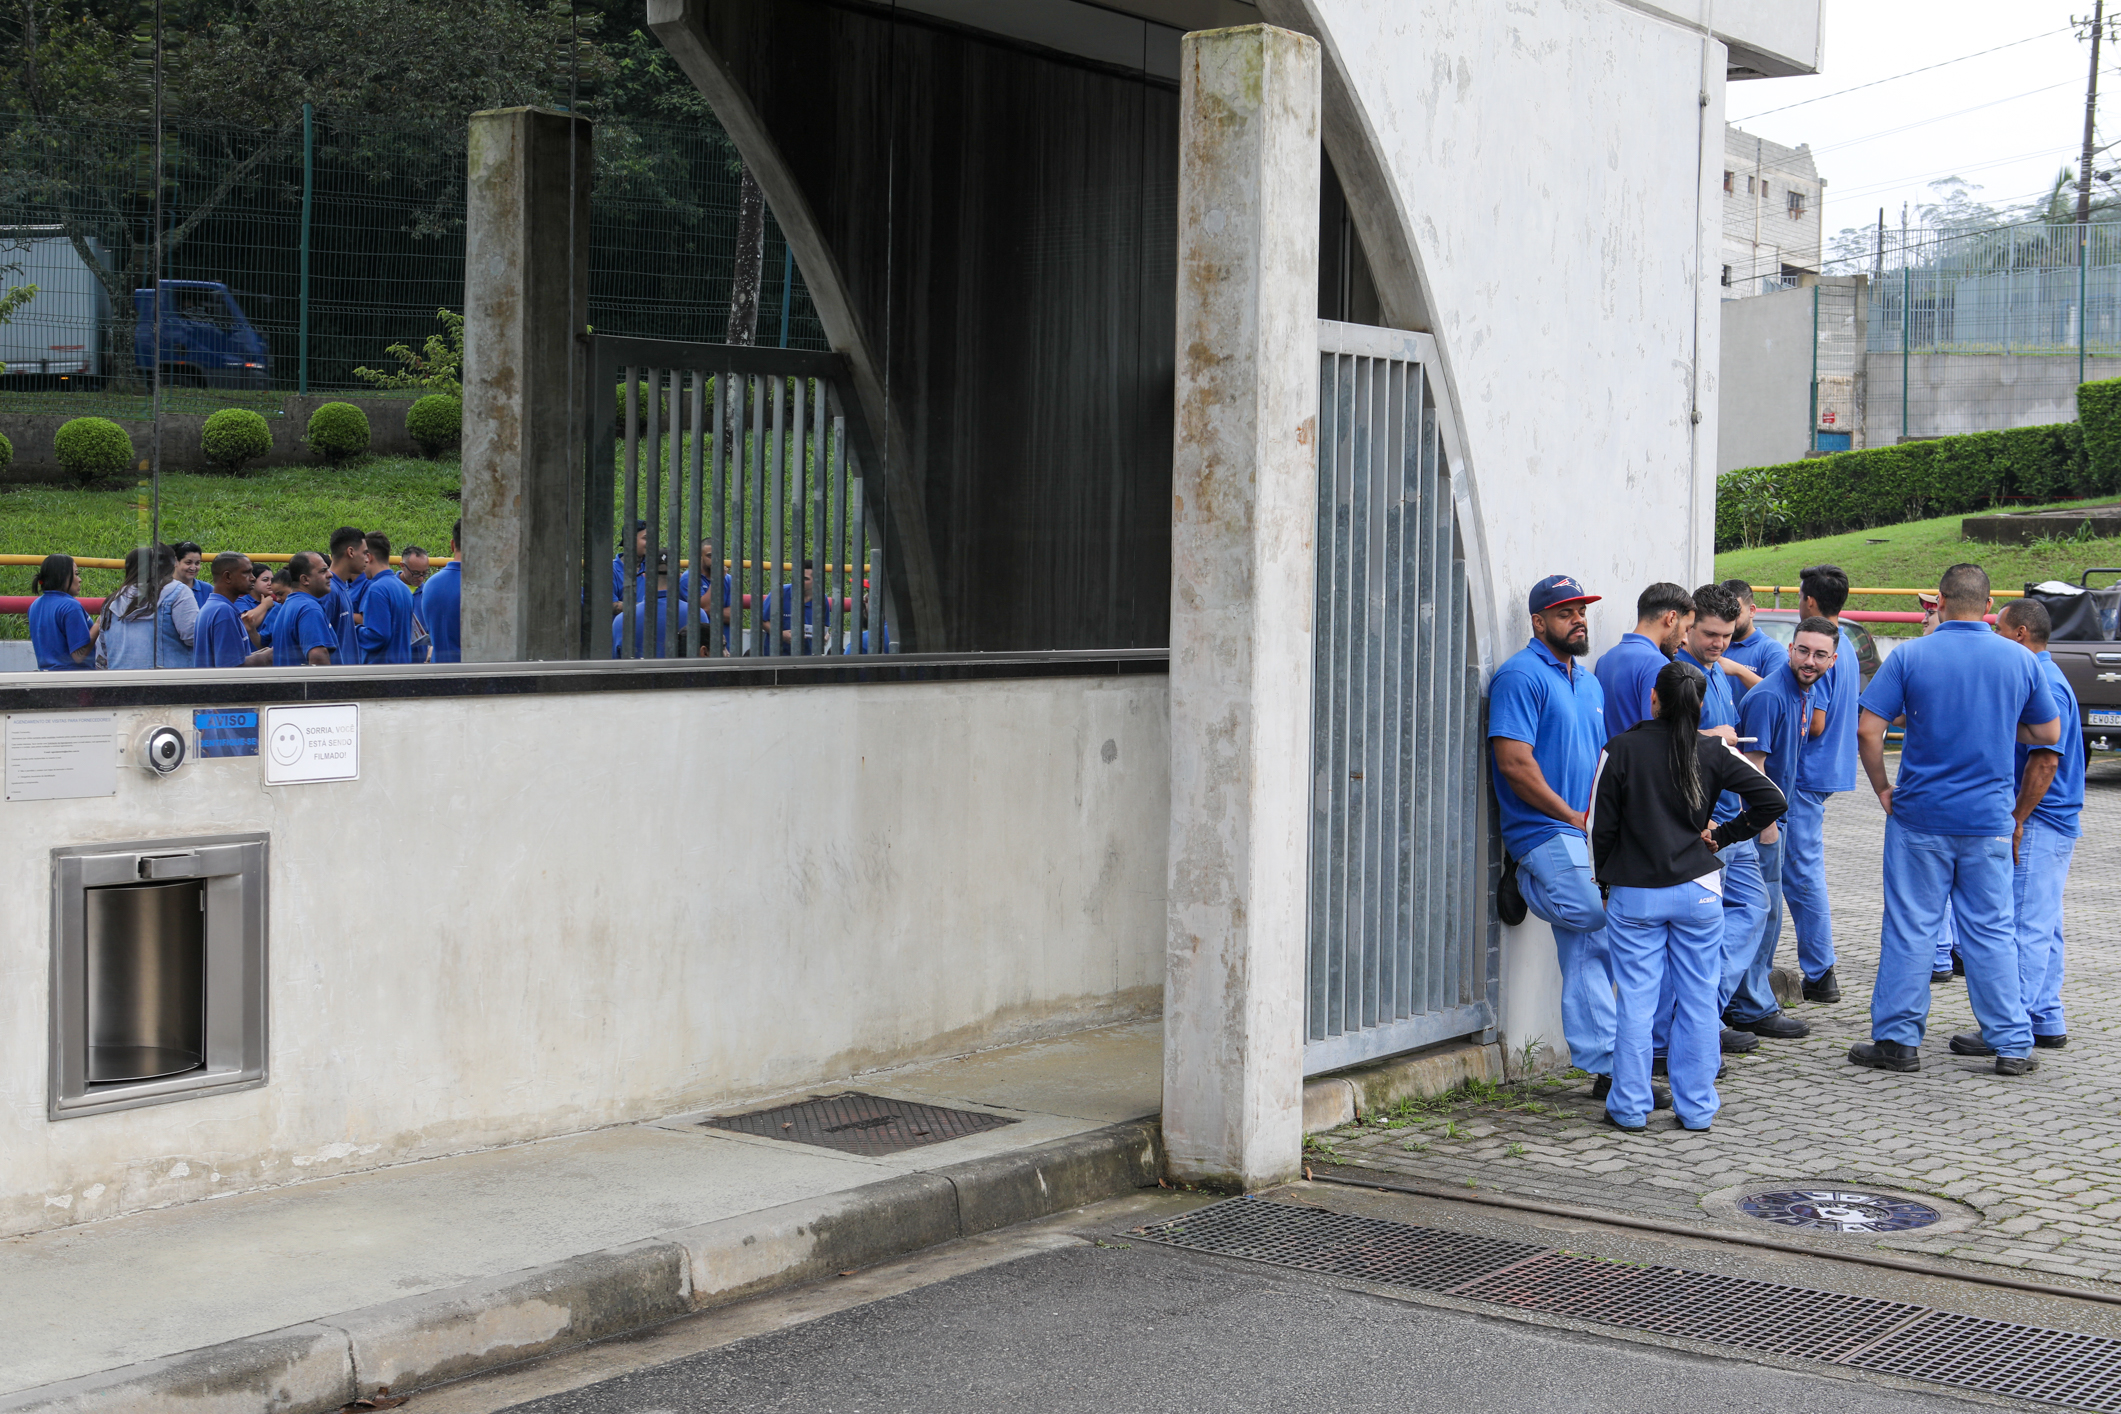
1402 950
757 453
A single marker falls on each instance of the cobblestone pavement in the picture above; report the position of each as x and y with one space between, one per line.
2039 1157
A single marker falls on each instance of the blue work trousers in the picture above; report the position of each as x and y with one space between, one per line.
2043 868
1743 993
1657 936
1947 940
1974 873
1555 878
1755 992
1804 880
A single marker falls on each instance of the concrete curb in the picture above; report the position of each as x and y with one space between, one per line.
1331 1101
318 1366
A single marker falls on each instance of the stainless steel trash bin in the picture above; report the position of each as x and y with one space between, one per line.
146 980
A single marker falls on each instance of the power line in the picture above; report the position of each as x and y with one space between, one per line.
1941 117
1898 182
2044 34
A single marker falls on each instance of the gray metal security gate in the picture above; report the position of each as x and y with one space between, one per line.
775 485
1402 949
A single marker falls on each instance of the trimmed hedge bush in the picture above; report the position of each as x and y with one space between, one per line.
2099 414
435 422
91 448
338 431
234 436
1765 505
7 453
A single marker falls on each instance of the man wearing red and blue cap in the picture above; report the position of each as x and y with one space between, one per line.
1546 727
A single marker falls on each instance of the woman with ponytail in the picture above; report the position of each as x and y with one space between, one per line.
1652 846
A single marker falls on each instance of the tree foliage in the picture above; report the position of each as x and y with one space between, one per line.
438 366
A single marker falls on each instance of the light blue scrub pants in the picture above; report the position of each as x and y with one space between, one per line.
1946 941
1756 991
1974 873
1804 880
1555 878
1658 934
2043 868
1744 993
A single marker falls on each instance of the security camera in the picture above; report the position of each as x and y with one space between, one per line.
162 750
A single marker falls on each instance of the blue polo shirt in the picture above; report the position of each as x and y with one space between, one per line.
272 616
442 610
338 604
1626 674
1776 714
385 633
1966 692
1536 698
1830 757
1756 651
304 623
2064 801
58 628
1718 709
202 589
219 640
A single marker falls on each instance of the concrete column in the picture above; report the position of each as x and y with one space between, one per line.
1244 484
522 468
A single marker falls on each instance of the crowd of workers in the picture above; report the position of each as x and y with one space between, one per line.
1659 810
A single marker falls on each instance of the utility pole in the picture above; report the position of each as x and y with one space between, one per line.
1759 190
2093 29
1878 260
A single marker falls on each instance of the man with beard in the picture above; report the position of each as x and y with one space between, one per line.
1780 715
1663 613
1546 727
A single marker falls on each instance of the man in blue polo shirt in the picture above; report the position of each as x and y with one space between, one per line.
442 601
1829 766
302 634
1969 697
1751 648
1626 672
348 582
383 622
219 639
1546 729
1779 716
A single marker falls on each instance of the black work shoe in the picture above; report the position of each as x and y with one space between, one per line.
1939 979
1509 899
1885 1055
2016 1065
1601 1086
1969 1043
2050 1043
1787 985
1664 1096
1958 964
1624 1128
1779 1027
1690 1128
1737 1040
1823 988
1660 1098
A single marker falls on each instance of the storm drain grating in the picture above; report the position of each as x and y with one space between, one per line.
854 1123
1890 1337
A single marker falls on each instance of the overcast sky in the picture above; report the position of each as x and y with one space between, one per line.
2005 121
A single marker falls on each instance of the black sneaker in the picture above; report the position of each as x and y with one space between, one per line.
1509 899
1939 979
2050 1043
1823 988
1969 1043
1624 1128
1779 1027
1737 1040
1885 1055
2016 1065
1660 1098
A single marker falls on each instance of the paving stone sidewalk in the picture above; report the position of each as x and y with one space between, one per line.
2039 1157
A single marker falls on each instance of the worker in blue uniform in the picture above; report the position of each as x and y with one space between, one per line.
1630 667
1829 767
219 639
1753 654
1969 697
349 581
442 604
60 633
383 623
1546 727
302 632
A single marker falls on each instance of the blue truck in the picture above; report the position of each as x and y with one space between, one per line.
63 336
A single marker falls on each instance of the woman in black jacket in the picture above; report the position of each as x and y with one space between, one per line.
1651 846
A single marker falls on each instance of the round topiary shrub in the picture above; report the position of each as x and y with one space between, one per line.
435 422
234 436
643 397
91 448
338 431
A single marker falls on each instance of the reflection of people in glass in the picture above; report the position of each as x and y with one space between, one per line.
128 620
59 629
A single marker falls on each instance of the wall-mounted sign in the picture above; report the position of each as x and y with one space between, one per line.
226 733
65 756
305 744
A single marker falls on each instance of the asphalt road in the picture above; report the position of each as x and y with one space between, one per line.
1137 1327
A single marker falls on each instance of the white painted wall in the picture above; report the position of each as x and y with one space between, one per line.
536 915
1765 362
1549 168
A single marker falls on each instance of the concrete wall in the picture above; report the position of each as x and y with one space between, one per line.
542 914
1764 414
1954 393
1547 175
32 434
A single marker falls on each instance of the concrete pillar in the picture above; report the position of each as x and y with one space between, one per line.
1244 503
522 468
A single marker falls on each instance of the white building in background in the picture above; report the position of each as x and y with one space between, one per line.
1772 219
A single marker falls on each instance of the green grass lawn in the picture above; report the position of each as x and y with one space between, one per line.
278 509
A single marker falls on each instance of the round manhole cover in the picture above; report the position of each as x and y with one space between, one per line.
1838 1210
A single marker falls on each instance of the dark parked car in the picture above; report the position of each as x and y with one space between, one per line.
1781 625
2085 649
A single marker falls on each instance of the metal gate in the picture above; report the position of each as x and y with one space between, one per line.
775 485
1402 947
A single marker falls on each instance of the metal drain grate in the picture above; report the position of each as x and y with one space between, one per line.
1890 1337
854 1123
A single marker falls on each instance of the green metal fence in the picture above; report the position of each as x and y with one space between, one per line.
338 240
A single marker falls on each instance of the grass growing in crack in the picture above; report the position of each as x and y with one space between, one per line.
1322 1147
1515 1151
